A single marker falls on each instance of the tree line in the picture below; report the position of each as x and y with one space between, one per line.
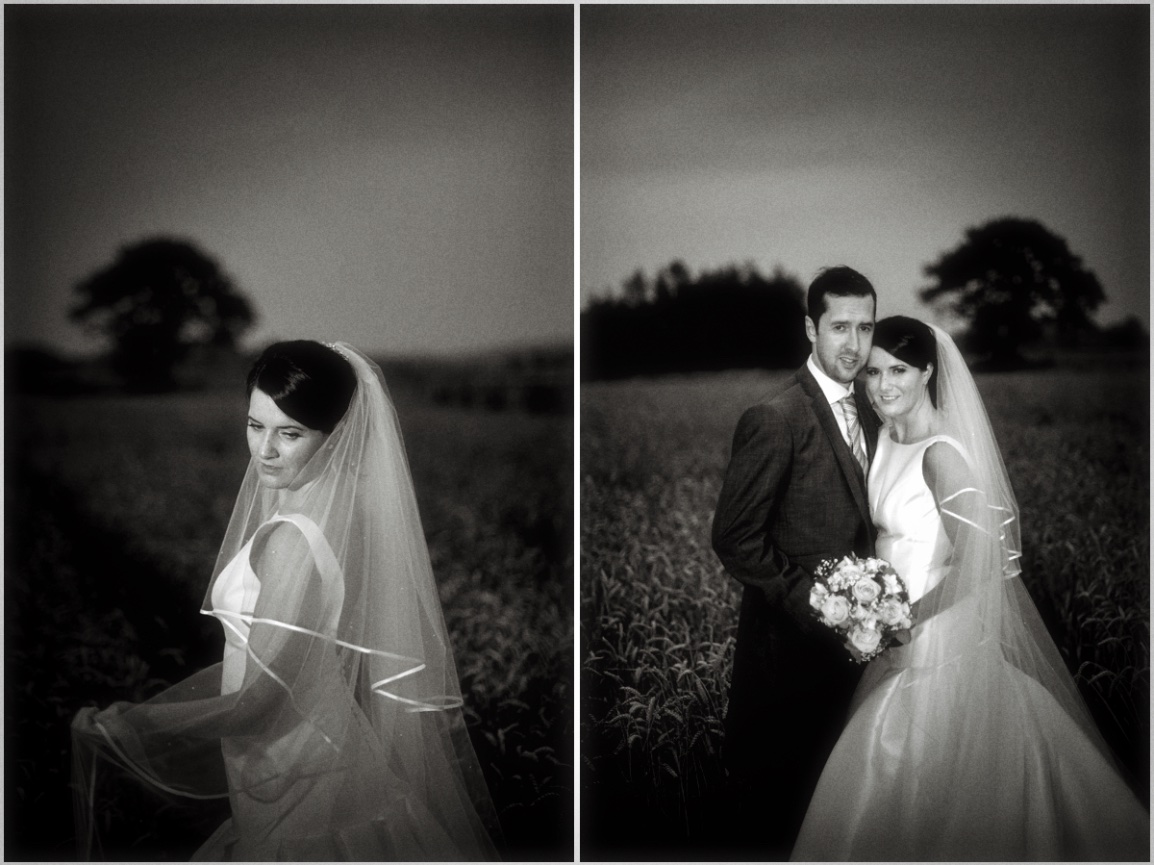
1011 282
676 322
163 301
171 318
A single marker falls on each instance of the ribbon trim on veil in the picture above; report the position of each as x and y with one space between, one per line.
432 704
330 570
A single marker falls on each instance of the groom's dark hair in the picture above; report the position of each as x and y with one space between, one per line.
840 281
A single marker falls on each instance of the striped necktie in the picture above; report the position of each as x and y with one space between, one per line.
853 427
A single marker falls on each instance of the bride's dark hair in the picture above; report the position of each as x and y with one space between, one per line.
911 341
307 380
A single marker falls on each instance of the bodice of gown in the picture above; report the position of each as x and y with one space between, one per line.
911 536
234 595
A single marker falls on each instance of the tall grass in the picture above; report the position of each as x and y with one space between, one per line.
116 507
659 614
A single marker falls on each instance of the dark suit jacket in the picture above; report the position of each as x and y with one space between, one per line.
793 495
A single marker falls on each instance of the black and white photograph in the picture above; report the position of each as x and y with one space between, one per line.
864 432
289 432
336 335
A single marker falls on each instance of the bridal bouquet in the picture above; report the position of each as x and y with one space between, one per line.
865 599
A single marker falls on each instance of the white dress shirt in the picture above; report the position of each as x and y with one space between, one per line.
833 391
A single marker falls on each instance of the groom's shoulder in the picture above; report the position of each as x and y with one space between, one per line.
777 407
789 397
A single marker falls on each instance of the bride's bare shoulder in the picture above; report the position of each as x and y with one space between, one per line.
277 544
945 467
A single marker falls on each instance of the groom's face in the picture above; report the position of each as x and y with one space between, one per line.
843 336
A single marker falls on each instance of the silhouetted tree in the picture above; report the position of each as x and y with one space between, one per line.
1009 277
636 289
159 298
726 318
670 280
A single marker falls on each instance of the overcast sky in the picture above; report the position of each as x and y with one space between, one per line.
400 177
870 136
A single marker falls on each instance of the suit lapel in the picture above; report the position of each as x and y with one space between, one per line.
845 458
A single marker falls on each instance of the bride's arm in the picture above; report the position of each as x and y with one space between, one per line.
284 654
288 640
960 505
174 740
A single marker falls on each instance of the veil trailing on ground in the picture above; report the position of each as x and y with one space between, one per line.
984 680
337 730
984 607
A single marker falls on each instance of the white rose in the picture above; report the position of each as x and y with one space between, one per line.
892 611
835 609
817 595
865 640
893 584
866 590
850 570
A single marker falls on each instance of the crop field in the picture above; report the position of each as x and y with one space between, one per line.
658 613
115 507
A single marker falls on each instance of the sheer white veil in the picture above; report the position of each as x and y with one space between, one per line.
979 643
349 678
358 491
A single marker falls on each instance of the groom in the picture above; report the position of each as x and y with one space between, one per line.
794 494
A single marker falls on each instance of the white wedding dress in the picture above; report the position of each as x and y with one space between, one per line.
290 790
951 752
334 724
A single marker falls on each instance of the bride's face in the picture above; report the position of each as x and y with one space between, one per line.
280 446
895 387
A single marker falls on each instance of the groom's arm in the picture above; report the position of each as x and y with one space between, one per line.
759 470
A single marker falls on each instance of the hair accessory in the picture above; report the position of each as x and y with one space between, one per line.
337 349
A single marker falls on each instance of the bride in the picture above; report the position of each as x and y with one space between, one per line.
970 741
333 724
